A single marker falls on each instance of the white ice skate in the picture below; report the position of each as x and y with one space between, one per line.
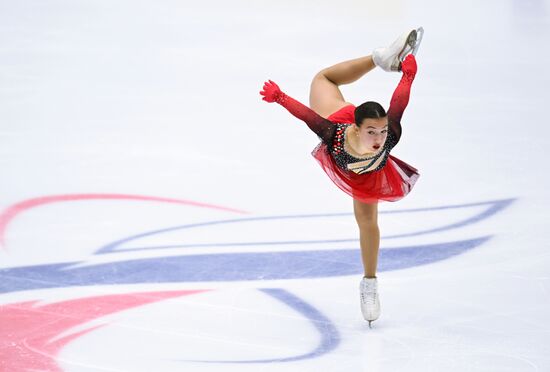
370 303
391 57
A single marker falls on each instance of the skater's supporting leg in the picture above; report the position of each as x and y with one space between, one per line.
369 235
325 97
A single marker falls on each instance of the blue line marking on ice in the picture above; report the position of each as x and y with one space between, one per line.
493 207
329 336
226 267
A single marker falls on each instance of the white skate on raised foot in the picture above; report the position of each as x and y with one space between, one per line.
390 58
370 303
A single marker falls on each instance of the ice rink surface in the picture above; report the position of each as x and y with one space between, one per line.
156 215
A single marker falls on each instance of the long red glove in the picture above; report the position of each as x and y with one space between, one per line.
324 128
400 97
409 66
271 92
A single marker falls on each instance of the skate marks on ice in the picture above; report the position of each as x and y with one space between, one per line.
33 334
329 337
241 266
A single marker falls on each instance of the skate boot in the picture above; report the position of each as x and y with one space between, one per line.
370 304
390 58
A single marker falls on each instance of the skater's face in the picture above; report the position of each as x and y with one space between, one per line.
372 133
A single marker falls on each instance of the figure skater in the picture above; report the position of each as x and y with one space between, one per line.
356 143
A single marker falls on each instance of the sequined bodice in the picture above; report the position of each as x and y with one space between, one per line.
359 165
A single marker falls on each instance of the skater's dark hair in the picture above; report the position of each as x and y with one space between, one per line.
369 110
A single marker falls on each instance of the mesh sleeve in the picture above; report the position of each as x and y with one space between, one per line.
324 128
399 102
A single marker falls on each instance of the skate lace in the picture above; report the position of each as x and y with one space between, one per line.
368 297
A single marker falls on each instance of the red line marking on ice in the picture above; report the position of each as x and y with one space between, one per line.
29 333
11 212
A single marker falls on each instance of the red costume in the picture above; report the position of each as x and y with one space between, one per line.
376 177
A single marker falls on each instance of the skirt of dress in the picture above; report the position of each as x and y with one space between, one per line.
391 183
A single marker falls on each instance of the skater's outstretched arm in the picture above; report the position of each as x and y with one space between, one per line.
400 97
324 128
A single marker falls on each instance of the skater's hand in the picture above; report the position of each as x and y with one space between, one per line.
409 65
271 92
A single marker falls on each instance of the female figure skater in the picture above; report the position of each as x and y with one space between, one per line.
356 143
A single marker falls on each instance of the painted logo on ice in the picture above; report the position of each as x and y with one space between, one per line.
270 260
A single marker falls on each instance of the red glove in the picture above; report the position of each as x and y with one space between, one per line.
409 65
272 92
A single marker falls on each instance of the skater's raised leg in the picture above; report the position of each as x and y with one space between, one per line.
325 97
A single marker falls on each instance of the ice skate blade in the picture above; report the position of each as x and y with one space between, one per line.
419 35
411 47
407 48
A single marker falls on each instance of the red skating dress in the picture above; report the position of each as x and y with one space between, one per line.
378 177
